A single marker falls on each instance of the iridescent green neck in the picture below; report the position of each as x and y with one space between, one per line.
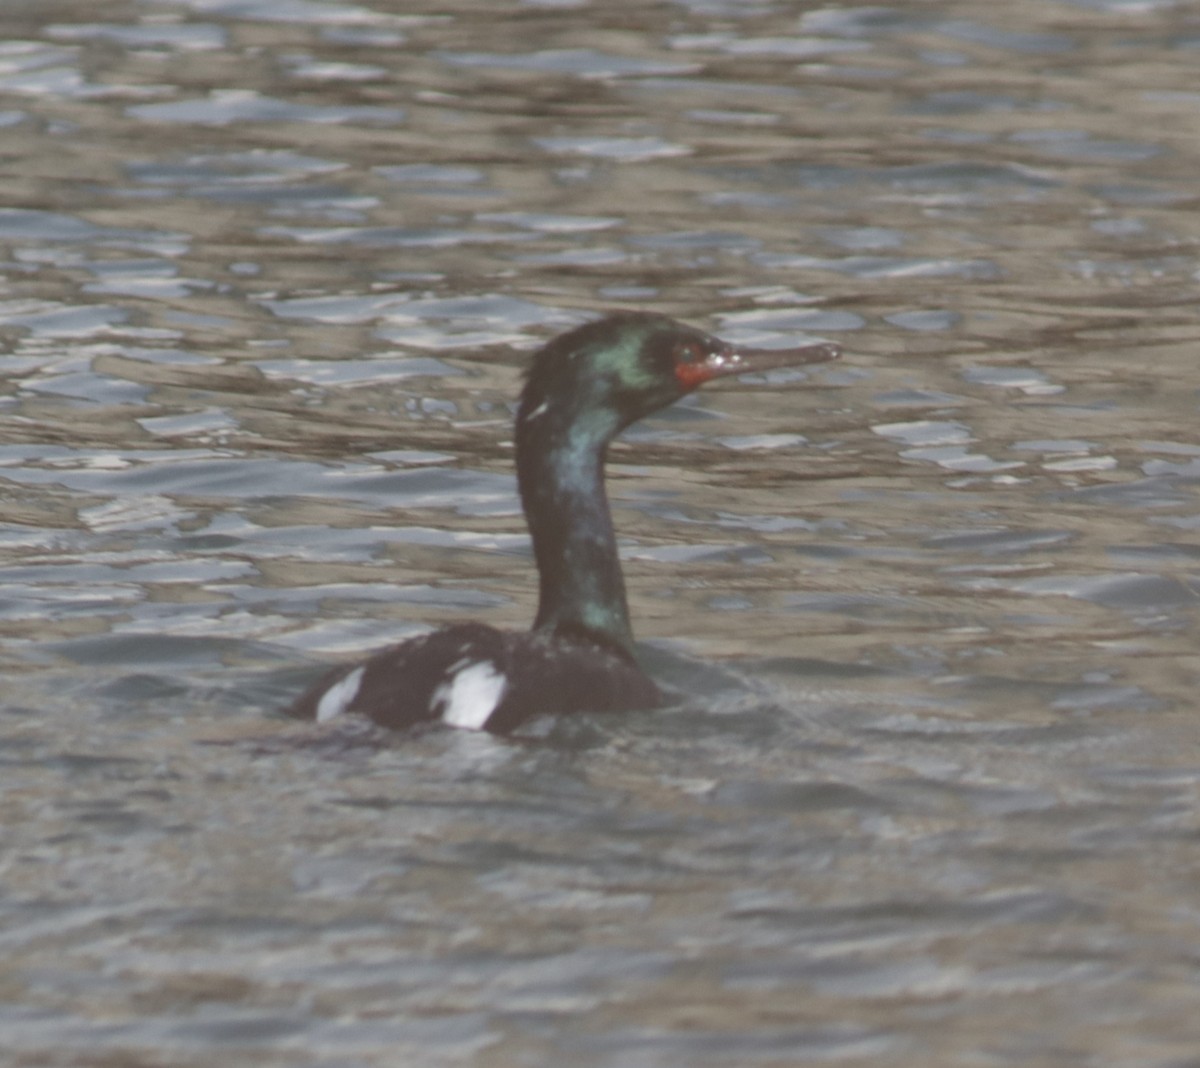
562 438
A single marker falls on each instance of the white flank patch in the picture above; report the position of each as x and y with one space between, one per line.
470 696
339 696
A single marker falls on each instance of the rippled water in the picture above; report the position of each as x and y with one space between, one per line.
269 270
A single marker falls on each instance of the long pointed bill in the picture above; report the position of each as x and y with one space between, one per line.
737 360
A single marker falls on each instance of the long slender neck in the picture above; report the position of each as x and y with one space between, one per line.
561 446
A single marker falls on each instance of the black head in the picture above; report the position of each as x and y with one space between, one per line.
629 364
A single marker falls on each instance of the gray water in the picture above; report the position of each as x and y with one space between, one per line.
269 272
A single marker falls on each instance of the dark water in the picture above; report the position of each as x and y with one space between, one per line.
269 270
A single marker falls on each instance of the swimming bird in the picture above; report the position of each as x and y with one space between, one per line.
584 387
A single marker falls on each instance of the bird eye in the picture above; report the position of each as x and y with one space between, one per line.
689 352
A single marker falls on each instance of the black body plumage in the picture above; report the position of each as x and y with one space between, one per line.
414 681
583 388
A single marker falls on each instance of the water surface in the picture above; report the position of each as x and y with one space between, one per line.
269 273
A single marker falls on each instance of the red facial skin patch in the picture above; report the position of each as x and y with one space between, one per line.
693 375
